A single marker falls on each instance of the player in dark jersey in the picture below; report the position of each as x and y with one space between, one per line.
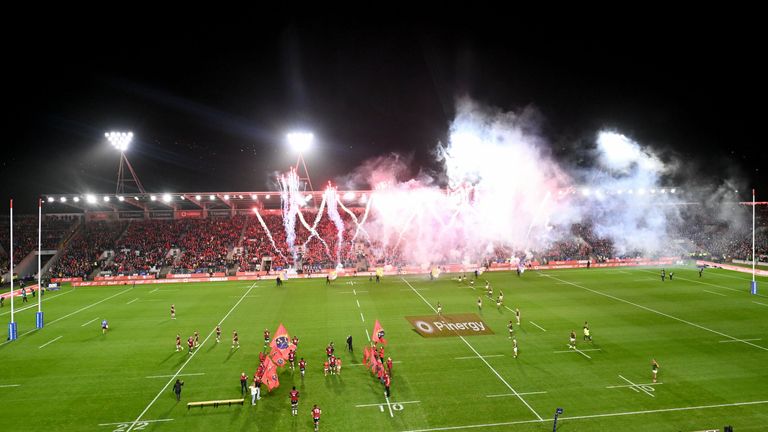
218 333
587 336
302 367
197 338
316 417
292 358
235 339
173 312
266 337
572 339
178 343
701 270
294 395
663 275
104 326
243 383
191 344
654 368
295 341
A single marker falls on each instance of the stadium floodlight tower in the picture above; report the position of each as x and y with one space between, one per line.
300 142
121 140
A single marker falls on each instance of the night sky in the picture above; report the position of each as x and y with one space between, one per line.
210 101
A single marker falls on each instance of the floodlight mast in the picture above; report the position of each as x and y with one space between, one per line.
121 140
301 142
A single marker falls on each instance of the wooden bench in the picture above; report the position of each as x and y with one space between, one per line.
215 403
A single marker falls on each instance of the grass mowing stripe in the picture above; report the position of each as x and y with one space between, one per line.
50 297
90 306
133 424
716 286
68 315
628 413
660 313
478 354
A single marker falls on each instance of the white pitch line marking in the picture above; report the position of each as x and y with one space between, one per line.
582 353
475 357
50 342
48 297
132 300
128 422
717 286
90 306
478 354
578 351
740 340
169 376
618 414
367 335
391 414
358 302
628 385
354 292
715 293
9 385
360 364
419 289
762 304
133 424
661 313
89 322
154 290
378 404
540 327
362 317
637 387
512 394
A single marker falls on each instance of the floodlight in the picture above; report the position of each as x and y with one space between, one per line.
90 198
226 197
50 199
300 141
76 199
106 198
119 140
212 197
63 199
120 198
267 197
254 197
349 196
153 198
198 197
167 198
673 190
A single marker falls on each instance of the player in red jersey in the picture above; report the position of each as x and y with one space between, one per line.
325 368
266 337
381 353
292 358
191 343
178 343
294 401
197 338
316 417
235 339
329 350
332 362
295 340
302 366
173 312
389 365
243 383
218 333
387 382
262 356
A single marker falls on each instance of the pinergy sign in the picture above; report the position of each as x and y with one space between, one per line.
449 325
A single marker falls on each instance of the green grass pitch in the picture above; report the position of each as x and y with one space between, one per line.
709 335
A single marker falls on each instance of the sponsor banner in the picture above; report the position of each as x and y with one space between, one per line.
449 325
67 279
119 278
